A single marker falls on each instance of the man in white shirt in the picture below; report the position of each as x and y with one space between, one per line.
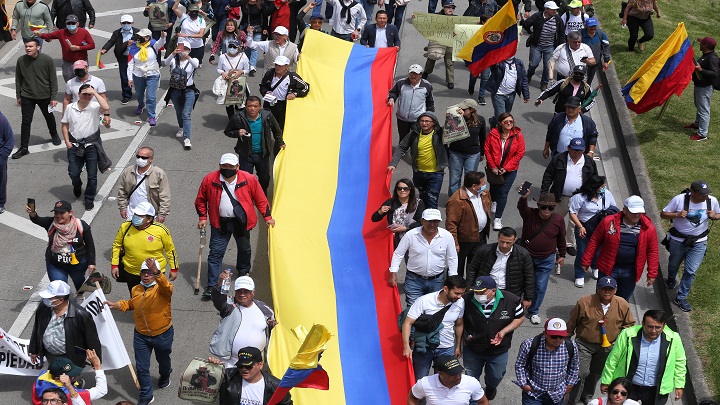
348 19
144 182
431 341
566 56
279 46
82 76
448 387
430 250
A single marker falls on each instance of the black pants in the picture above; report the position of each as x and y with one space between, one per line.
261 165
198 53
634 24
403 128
278 111
295 8
27 109
131 280
648 395
230 110
3 180
467 252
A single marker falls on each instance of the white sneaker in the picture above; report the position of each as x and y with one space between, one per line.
187 144
579 282
558 269
497 224
535 319
493 207
179 133
595 274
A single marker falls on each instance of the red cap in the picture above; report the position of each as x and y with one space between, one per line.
708 41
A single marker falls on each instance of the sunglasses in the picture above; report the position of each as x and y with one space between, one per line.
143 157
403 189
556 337
248 367
623 393
546 207
508 122
232 46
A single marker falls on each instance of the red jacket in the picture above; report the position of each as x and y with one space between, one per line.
606 237
493 149
248 193
81 38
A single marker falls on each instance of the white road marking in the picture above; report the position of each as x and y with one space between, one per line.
118 12
124 130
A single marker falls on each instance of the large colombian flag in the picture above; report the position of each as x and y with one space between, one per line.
496 41
328 261
666 72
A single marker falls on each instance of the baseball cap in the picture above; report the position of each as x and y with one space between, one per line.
80 64
580 69
144 266
700 187
126 18
57 288
449 365
573 102
607 281
556 327
71 18
233 42
282 60
248 356
281 30
450 5
416 69
144 208
469 103
146 33
577 144
62 206
575 4
551 5
708 41
484 283
229 158
591 22
635 204
432 214
62 365
193 7
244 282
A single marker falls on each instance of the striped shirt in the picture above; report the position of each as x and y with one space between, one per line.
547 36
54 336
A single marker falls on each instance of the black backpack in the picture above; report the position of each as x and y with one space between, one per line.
179 76
534 348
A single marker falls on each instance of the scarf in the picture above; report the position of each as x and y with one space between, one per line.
142 54
64 235
345 12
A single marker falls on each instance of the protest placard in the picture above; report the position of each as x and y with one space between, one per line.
455 127
14 357
463 33
438 27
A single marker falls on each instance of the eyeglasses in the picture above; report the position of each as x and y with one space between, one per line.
51 401
403 189
654 327
623 393
546 207
426 121
143 157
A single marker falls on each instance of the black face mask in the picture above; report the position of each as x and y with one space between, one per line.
228 173
79 73
193 15
578 78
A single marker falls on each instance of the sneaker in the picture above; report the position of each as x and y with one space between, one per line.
171 104
56 140
558 269
152 121
471 91
493 207
535 319
691 126
490 393
571 250
146 401
579 282
252 71
207 294
139 109
125 101
186 144
543 87
698 137
671 284
595 274
641 46
179 133
89 206
2 209
164 382
481 101
77 190
20 153
451 85
497 224
683 304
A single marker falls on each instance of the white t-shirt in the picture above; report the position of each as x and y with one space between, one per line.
188 26
253 393
696 221
560 54
435 393
429 304
573 22
573 175
251 332
72 87
188 65
82 123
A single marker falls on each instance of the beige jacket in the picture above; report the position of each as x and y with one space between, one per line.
156 184
585 316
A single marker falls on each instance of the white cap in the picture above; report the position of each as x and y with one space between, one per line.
126 18
145 33
244 282
432 214
57 288
415 69
144 208
551 5
281 30
635 204
144 265
229 158
282 60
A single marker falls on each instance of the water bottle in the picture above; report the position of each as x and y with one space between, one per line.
225 288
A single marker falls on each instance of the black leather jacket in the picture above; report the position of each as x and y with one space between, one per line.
231 388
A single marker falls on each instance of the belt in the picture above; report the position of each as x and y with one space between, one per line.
426 277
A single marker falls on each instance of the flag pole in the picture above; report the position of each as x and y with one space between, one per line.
664 107
130 366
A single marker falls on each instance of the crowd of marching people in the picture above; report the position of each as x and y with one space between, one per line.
464 294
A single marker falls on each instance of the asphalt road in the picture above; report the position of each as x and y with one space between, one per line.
43 175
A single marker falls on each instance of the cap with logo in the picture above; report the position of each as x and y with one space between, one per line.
484 283
144 209
71 18
580 69
62 365
556 327
432 214
573 102
62 206
229 159
577 144
607 281
591 22
449 5
126 18
415 69
248 356
449 365
57 288
700 187
244 283
635 204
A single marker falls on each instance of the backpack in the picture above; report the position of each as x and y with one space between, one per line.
716 81
688 240
179 76
536 344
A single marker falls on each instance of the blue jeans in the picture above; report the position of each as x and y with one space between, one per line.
484 79
144 346
544 399
423 361
416 286
536 52
252 54
494 365
75 166
219 240
432 5
126 89
183 110
146 89
395 14
429 185
580 245
76 272
260 164
499 192
458 161
693 257
502 103
702 104
625 280
369 11
542 267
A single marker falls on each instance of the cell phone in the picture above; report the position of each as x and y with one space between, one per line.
80 350
584 58
31 204
525 187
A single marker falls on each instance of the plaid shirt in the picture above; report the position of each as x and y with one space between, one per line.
549 370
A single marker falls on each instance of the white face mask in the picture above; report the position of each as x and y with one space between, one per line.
481 298
148 285
142 162
50 303
233 51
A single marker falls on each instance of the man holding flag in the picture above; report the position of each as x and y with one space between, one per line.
706 71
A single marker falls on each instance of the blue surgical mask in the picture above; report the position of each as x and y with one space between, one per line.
126 27
137 220
72 27
483 188
148 285
602 190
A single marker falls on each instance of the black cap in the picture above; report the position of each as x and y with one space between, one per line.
247 356
61 366
701 187
71 18
449 365
62 206
580 69
573 102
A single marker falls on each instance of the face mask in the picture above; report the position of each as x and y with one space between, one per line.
148 285
137 220
233 51
578 78
71 27
483 188
193 15
481 298
602 190
142 162
228 173
50 303
79 73
126 27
